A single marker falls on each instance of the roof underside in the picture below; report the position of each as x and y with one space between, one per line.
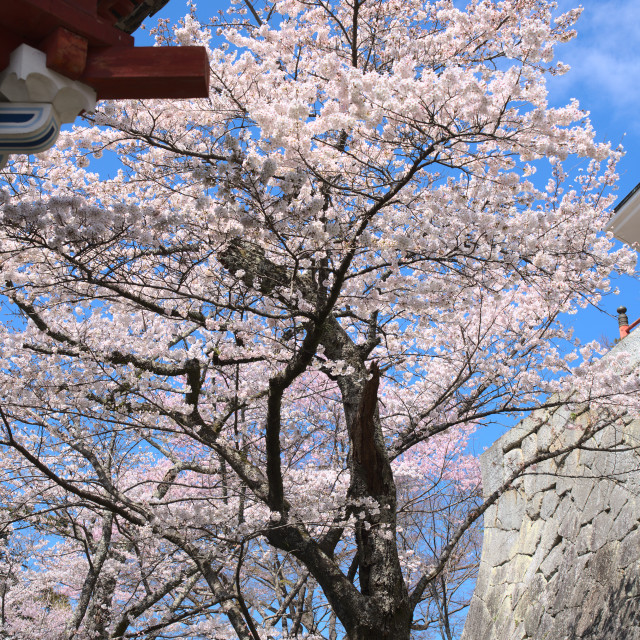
130 14
90 41
625 224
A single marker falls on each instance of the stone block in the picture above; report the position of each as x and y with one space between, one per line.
499 546
551 564
627 466
572 462
592 609
564 482
604 464
532 617
617 499
602 524
484 573
549 505
546 435
500 599
563 436
631 434
630 549
529 447
608 437
542 478
530 535
534 502
603 564
513 463
625 521
583 540
570 525
581 492
519 566
505 624
582 579
499 576
596 502
544 627
492 467
490 516
479 624
510 510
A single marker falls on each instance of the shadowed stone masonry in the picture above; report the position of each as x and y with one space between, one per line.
561 551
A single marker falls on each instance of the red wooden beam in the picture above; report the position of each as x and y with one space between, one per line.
34 20
148 72
82 43
66 52
8 42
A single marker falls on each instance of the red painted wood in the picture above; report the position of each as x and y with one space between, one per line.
66 52
148 72
80 44
34 20
8 42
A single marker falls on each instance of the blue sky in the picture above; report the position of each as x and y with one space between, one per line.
605 78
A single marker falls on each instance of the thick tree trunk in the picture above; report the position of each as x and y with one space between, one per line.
381 609
372 484
99 614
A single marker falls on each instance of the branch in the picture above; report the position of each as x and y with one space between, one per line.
95 567
289 599
241 601
115 357
254 13
65 484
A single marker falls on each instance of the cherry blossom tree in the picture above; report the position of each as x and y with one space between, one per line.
239 375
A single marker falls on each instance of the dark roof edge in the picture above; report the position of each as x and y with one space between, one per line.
626 198
133 20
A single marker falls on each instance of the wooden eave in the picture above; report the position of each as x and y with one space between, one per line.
91 41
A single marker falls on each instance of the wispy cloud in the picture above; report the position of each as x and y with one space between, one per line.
604 60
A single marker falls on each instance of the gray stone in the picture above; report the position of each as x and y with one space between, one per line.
630 549
604 464
490 516
595 503
499 545
530 535
592 608
551 564
602 524
546 435
513 461
529 447
492 467
570 525
549 504
583 540
510 510
581 492
479 622
604 562
534 502
625 521
561 553
618 498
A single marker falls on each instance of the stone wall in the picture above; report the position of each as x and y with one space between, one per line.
561 550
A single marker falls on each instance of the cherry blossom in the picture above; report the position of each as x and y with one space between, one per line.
240 370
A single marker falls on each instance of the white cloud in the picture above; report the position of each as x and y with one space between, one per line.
604 59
